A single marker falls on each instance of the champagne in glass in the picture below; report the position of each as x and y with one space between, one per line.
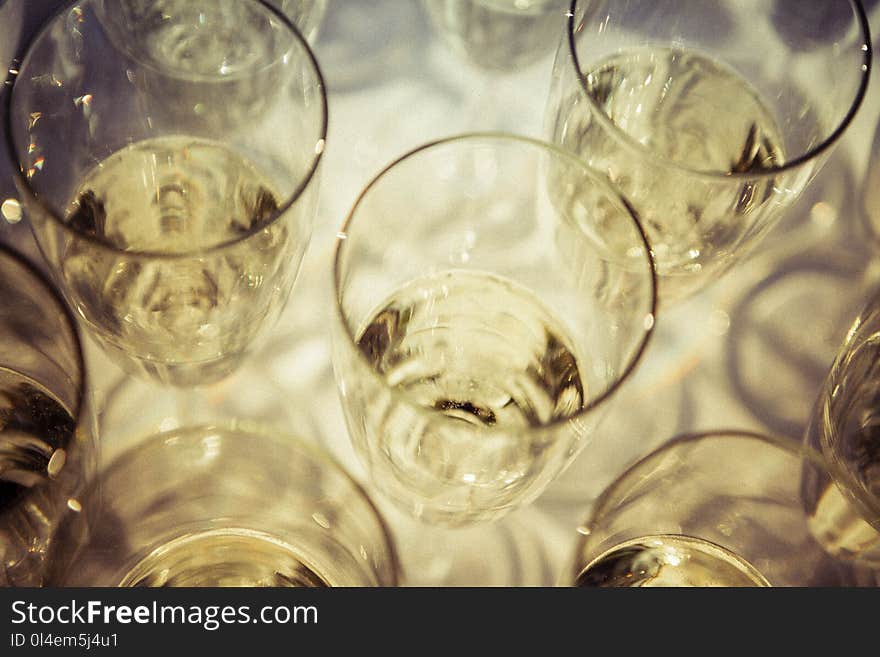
707 117
172 195
664 561
225 504
725 508
478 348
473 357
168 156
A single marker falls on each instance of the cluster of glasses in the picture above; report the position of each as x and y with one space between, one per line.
492 293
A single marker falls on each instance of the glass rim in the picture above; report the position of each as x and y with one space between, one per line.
60 303
622 137
288 440
650 318
794 448
291 199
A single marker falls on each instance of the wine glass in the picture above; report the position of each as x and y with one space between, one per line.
725 508
492 294
224 504
47 430
708 117
844 428
170 174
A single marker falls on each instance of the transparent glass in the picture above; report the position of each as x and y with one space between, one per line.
499 34
485 317
47 431
710 118
844 428
228 504
726 508
170 176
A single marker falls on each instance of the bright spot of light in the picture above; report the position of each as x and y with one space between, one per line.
168 424
211 447
823 214
11 210
672 558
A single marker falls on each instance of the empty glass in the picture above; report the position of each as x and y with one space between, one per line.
845 429
707 116
170 175
484 319
227 504
727 508
47 433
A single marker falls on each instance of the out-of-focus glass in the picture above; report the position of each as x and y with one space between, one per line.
707 116
170 176
845 428
47 432
228 504
499 34
484 319
730 509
